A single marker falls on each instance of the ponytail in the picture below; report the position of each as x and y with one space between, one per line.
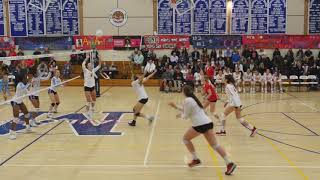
188 91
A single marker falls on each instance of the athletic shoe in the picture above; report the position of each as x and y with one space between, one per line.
12 135
253 132
195 162
230 169
132 123
28 129
221 133
33 123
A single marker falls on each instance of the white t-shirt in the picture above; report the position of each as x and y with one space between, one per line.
89 77
21 90
268 77
55 83
139 89
256 77
233 96
247 77
192 111
237 77
150 67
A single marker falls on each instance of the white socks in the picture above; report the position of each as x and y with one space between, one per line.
194 155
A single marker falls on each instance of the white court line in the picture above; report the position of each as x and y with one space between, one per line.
151 166
151 135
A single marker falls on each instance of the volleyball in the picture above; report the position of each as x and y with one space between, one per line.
99 32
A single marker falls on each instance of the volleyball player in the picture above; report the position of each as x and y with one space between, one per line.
18 105
4 82
268 79
138 87
201 124
247 79
277 81
53 94
210 96
34 89
233 105
256 79
89 85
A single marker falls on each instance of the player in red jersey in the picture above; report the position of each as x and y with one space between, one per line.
210 96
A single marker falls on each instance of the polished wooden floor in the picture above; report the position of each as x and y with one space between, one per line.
288 147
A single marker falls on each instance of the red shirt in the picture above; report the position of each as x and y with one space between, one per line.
210 72
208 87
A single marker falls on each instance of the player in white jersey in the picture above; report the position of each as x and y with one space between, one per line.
90 75
247 79
18 105
201 124
256 79
233 105
277 81
34 97
53 94
219 79
237 78
138 87
268 79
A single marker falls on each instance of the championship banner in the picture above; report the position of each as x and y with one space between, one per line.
314 17
281 41
216 42
166 41
126 42
165 17
6 43
89 42
53 43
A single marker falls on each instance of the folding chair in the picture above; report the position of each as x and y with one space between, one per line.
313 81
304 81
294 81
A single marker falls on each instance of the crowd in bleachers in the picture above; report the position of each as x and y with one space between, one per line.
188 65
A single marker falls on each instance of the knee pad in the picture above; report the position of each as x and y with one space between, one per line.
16 120
53 104
241 120
27 115
137 114
57 104
216 146
185 141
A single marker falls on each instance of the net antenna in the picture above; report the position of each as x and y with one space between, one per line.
186 6
41 7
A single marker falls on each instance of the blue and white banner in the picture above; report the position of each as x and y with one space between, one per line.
259 16
201 17
54 18
35 16
165 17
183 21
240 17
218 16
70 17
18 18
314 17
1 18
277 16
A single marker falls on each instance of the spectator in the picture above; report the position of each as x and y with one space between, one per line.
205 54
190 78
53 65
235 57
150 67
20 52
220 54
289 56
46 59
12 52
67 70
151 54
178 79
81 57
276 53
213 55
300 54
195 55
184 71
184 58
228 53
138 60
246 52
74 58
42 69
37 52
262 53
176 51
174 59
167 80
308 53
